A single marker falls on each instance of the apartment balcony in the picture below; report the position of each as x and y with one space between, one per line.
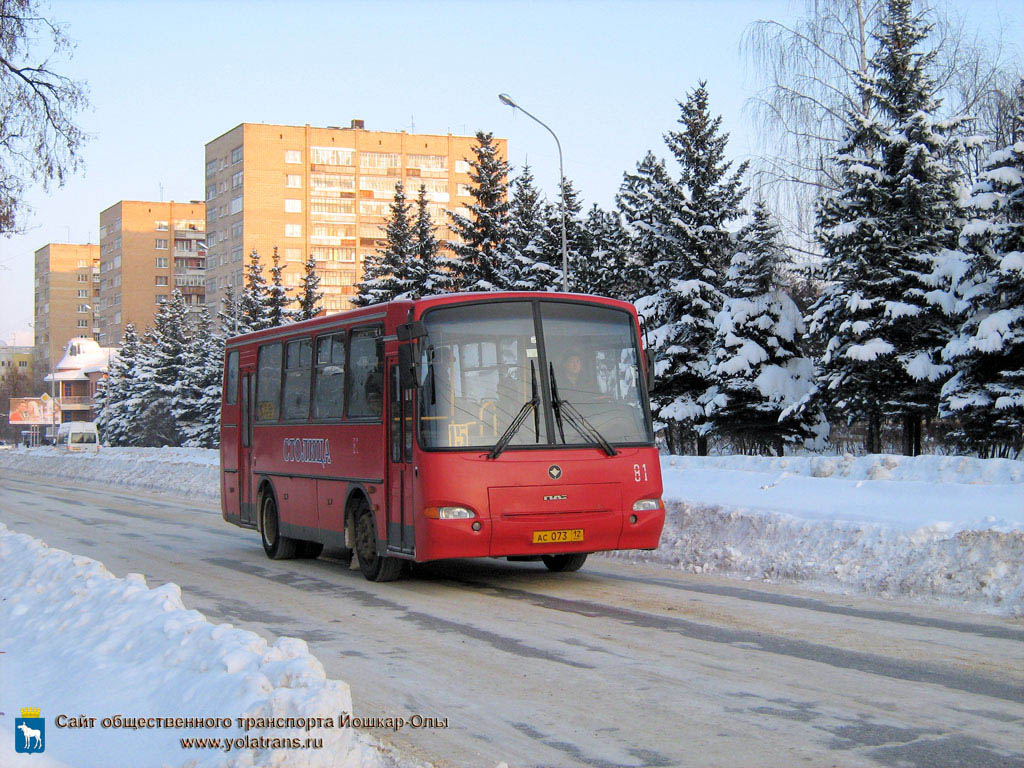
75 403
190 234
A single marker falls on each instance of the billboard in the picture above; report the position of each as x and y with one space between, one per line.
33 410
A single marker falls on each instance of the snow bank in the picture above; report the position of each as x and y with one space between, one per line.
80 641
935 527
192 472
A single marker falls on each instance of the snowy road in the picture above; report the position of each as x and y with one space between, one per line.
618 665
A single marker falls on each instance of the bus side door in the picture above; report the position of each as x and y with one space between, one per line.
247 505
399 418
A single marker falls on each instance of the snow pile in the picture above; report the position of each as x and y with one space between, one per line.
938 527
192 472
80 641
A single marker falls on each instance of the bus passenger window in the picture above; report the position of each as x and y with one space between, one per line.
365 373
298 367
329 394
231 380
268 383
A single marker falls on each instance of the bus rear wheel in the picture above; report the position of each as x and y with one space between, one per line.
276 546
560 563
373 566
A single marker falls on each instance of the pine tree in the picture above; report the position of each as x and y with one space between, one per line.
254 303
160 373
277 295
479 256
604 270
761 373
985 396
882 236
644 218
427 274
309 294
386 276
690 231
196 401
549 244
523 243
116 416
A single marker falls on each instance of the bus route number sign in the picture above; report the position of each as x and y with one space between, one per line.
557 537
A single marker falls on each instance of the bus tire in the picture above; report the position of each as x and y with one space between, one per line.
309 550
373 566
276 546
562 563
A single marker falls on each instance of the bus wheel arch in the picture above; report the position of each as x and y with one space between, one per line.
360 516
275 544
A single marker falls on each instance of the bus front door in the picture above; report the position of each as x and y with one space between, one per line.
247 505
399 418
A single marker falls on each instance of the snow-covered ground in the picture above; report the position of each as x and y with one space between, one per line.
947 528
79 641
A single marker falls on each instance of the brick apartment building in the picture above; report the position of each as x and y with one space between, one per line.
320 191
147 249
66 297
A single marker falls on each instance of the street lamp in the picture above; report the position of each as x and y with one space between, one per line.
504 98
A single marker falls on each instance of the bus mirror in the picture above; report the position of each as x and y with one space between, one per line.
649 363
411 331
406 367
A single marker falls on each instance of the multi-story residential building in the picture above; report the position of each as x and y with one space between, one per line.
15 360
324 192
66 297
147 250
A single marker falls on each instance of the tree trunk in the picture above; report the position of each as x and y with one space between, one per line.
873 442
702 445
912 434
780 448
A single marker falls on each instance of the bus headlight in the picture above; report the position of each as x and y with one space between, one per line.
646 505
448 513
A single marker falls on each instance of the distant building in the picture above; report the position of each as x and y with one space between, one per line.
320 191
66 294
15 360
73 383
147 250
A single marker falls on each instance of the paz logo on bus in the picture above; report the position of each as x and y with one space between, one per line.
554 471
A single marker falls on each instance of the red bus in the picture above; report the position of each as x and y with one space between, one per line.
468 425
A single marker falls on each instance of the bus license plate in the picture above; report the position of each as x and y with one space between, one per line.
557 537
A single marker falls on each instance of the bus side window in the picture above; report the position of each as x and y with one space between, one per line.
231 379
298 368
268 383
365 374
329 389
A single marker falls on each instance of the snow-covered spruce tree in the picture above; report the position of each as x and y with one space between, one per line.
549 245
639 203
386 276
882 234
116 417
160 374
604 271
254 303
427 272
277 295
522 245
196 401
985 397
310 294
691 227
230 317
479 257
761 372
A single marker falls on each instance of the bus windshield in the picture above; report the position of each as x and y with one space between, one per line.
481 365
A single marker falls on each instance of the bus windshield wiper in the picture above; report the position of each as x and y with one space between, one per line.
567 411
510 432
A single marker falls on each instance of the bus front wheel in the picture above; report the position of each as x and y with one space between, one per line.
276 546
559 563
373 566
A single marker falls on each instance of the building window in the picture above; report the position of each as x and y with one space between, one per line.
236 229
83 278
83 294
380 160
211 239
463 190
160 280
236 155
161 298
294 181
162 262
211 168
330 155
83 308
161 244
211 192
461 166
83 323
330 184
292 156
427 162
236 180
292 205
293 254
293 230
236 204
236 254
160 226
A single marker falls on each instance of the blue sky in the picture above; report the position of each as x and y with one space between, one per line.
166 77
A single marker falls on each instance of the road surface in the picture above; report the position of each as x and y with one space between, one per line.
616 665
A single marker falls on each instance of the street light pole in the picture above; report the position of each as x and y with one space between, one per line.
504 98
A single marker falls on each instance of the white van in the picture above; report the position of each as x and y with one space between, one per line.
78 436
